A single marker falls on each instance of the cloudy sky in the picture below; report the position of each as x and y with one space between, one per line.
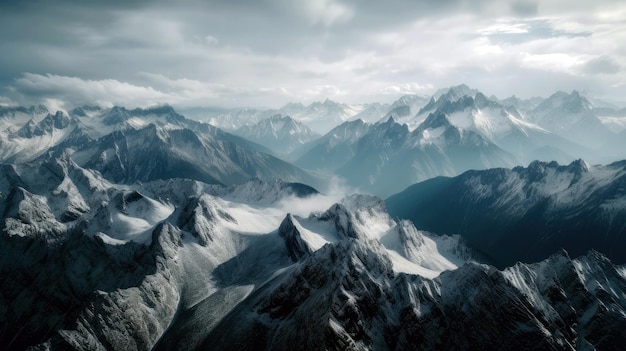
264 53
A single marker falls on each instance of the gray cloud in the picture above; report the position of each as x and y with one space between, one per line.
602 65
268 52
525 8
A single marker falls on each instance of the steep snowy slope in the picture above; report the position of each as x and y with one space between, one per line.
522 105
348 297
502 125
386 157
333 149
356 220
227 119
100 122
319 116
192 270
143 145
26 133
390 157
281 134
322 116
372 112
158 153
571 116
525 213
13 118
405 109
87 264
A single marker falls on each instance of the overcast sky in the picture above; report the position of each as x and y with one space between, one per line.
264 53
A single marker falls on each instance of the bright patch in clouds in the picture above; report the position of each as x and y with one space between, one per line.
505 28
554 62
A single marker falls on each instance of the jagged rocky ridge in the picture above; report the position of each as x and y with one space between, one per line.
389 156
126 146
281 134
347 296
180 264
192 270
87 264
527 213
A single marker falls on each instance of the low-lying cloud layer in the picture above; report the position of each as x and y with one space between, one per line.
268 52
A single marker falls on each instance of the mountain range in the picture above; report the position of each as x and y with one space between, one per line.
171 264
140 145
525 213
281 134
456 129
142 229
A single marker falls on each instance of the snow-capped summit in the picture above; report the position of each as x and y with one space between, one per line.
85 110
20 112
390 157
26 134
47 125
322 116
525 213
522 105
333 149
454 93
141 145
504 126
406 108
570 103
571 116
350 294
178 264
281 134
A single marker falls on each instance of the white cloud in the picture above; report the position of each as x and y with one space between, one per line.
66 92
320 92
55 105
408 89
5 101
504 28
268 52
74 90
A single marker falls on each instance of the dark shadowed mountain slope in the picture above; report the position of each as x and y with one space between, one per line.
525 213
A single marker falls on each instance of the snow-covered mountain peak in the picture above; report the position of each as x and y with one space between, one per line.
20 112
455 93
449 102
116 115
579 166
293 105
537 170
328 103
85 110
266 192
364 218
434 120
280 133
45 126
291 231
570 103
389 121
504 126
349 131
408 100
